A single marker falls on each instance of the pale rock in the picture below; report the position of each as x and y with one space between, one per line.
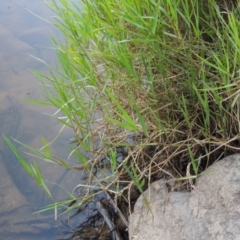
210 211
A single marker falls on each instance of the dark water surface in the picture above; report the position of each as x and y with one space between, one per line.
22 34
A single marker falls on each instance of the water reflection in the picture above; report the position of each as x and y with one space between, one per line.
23 34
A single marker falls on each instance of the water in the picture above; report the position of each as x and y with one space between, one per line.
22 34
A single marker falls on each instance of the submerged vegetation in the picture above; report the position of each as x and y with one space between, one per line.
150 89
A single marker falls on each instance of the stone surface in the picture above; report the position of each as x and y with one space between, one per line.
211 211
16 214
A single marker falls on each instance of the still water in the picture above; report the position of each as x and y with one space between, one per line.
22 34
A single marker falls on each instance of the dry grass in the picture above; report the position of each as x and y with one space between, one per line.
150 88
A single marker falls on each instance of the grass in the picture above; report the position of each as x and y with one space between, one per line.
150 89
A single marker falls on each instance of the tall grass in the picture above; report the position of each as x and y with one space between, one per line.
158 79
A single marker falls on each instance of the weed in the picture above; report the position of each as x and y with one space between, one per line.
157 79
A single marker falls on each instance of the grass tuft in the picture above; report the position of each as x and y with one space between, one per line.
148 87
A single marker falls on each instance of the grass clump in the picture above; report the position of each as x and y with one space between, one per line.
150 88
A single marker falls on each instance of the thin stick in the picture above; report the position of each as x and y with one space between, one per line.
111 225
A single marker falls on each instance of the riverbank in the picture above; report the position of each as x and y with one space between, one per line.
150 90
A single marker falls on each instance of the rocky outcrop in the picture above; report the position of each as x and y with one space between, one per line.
210 211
